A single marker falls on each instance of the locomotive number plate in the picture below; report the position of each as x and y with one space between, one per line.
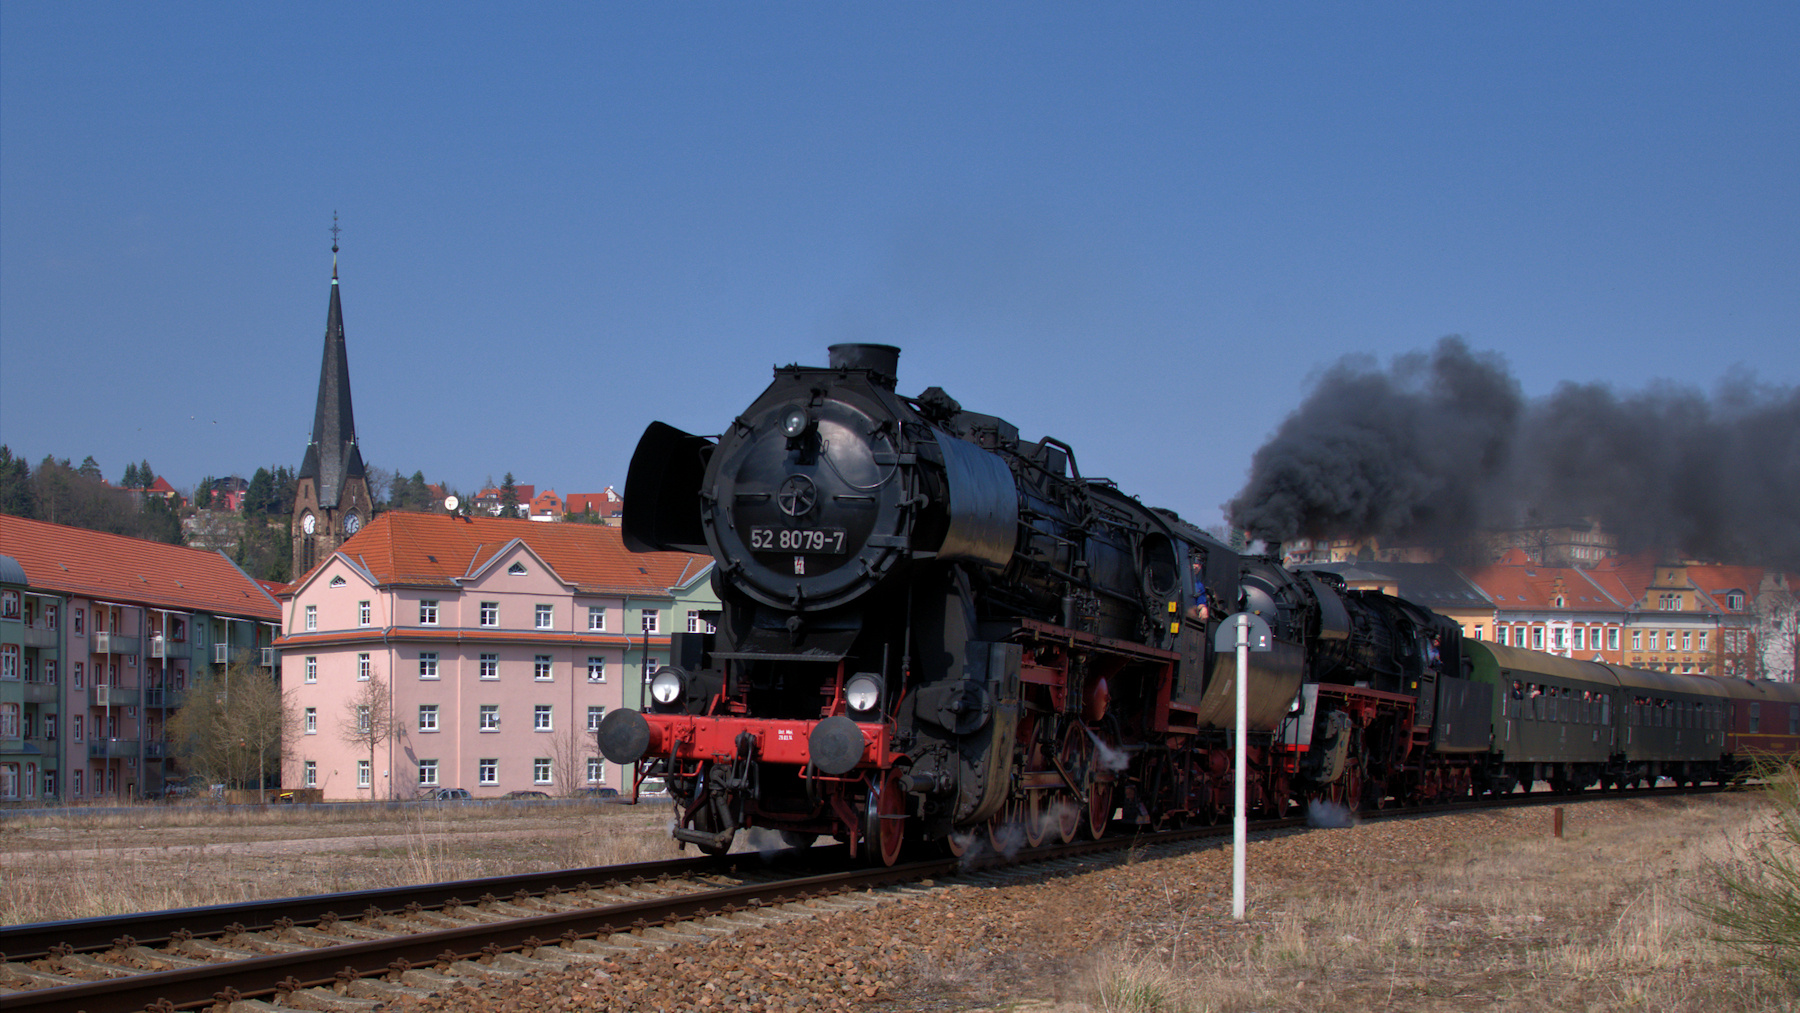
797 539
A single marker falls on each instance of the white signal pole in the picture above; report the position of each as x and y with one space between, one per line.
1251 634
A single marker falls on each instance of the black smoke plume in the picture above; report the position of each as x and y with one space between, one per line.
1443 444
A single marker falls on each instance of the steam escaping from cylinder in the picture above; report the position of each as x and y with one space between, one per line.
1325 814
1444 443
1109 759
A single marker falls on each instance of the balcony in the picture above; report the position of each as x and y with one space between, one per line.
113 749
114 643
42 692
221 654
160 696
268 657
38 634
161 647
115 696
155 749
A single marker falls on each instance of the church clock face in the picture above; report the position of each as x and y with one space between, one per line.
351 524
308 523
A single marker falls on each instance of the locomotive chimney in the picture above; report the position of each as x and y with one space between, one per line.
881 361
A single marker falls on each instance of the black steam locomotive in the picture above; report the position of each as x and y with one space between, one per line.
931 629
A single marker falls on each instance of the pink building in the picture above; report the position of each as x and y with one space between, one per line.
495 646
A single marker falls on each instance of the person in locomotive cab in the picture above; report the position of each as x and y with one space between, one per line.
1198 611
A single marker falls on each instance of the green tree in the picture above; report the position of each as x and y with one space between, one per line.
90 468
146 476
260 498
130 481
509 497
15 485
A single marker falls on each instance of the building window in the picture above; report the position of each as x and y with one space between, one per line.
80 629
1702 644
50 671
1480 632
545 617
428 613
1537 638
490 666
363 668
312 774
1612 639
540 717
1580 635
596 619
649 667
1735 601
50 726
596 669
428 772
9 605
312 617
428 714
648 624
595 713
516 570
75 730
362 719
75 781
1653 639
693 624
1687 640
312 720
540 668
1500 635
1637 640
362 613
9 721
490 718
428 665
596 770
540 770
1556 637
362 774
312 668
487 770
9 661
490 613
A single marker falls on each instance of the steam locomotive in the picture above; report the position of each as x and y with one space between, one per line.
934 630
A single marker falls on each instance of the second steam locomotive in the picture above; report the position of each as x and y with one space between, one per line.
931 629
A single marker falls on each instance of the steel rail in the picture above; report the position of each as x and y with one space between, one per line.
263 976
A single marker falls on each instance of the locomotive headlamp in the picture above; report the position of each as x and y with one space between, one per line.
795 422
665 686
863 693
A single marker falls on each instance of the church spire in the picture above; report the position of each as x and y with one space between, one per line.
331 491
332 458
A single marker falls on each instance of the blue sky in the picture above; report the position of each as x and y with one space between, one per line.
1140 230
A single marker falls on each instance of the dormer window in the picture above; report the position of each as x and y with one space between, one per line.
1735 601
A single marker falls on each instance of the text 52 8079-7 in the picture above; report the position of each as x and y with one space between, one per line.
797 539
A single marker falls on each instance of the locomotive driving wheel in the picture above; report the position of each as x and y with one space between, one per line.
884 818
1076 757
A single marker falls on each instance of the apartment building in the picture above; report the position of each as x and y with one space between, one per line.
100 636
477 652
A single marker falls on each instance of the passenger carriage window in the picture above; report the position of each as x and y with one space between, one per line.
1794 719
1755 718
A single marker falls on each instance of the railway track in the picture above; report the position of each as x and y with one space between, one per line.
355 950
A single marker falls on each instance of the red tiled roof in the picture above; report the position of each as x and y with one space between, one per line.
94 564
1532 587
434 549
602 503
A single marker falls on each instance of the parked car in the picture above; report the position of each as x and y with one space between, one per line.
449 795
526 794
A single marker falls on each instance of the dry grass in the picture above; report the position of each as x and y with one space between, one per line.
1602 921
80 866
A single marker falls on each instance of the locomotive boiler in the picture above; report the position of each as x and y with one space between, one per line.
934 629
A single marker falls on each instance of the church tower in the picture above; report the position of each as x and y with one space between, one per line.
331 498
